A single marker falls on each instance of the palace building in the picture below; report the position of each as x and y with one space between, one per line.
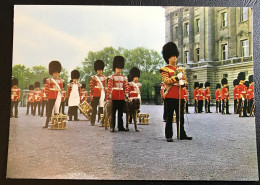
214 42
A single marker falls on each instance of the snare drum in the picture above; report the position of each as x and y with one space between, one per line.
143 118
58 121
86 109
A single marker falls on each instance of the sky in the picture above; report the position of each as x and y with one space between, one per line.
43 33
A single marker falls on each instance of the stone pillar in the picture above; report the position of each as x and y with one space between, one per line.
168 28
202 33
191 35
180 35
211 35
232 44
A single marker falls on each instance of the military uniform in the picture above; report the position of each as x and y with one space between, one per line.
164 102
44 97
37 98
235 95
225 96
117 86
63 99
242 94
175 93
97 86
196 94
247 95
251 92
200 98
218 98
186 98
207 98
53 91
74 90
30 100
15 96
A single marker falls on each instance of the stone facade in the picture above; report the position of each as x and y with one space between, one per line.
214 42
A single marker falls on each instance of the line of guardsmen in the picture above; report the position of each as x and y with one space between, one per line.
115 89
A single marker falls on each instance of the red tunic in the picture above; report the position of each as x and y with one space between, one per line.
224 92
44 96
95 87
15 93
235 93
83 96
50 88
241 91
117 87
37 94
174 90
186 94
218 95
196 94
132 90
207 94
30 96
251 92
63 96
200 94
70 88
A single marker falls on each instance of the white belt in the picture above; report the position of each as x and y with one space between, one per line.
97 87
134 92
226 94
52 89
243 91
185 95
208 94
117 88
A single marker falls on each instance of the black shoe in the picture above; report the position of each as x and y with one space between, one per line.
245 116
123 129
45 126
186 138
76 119
169 140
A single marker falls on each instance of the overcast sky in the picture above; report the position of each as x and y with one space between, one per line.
67 33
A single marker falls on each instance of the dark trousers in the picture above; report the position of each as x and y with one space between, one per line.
218 106
35 106
187 106
244 108
250 104
28 107
164 110
14 105
43 105
117 105
49 108
173 105
207 106
200 106
235 106
227 106
94 105
73 111
62 107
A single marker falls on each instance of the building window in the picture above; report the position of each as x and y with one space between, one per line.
244 14
198 54
186 29
176 29
224 19
197 25
224 49
245 48
225 75
186 57
194 77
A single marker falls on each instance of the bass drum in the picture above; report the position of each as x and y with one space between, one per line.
86 109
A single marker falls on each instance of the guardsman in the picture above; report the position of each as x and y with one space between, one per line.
186 98
164 102
200 98
97 87
196 94
37 94
247 95
83 94
134 87
235 94
173 78
53 88
63 99
15 96
218 97
251 93
30 99
44 97
225 96
74 90
207 97
242 94
117 86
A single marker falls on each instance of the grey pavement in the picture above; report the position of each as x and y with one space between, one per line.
223 148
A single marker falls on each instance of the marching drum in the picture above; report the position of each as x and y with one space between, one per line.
86 109
58 121
143 118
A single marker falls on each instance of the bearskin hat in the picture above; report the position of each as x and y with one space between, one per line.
14 81
99 64
135 72
31 87
201 85
218 86
83 86
129 78
44 80
54 66
241 76
75 74
119 62
251 79
224 81
235 82
196 84
247 84
37 84
207 84
169 49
